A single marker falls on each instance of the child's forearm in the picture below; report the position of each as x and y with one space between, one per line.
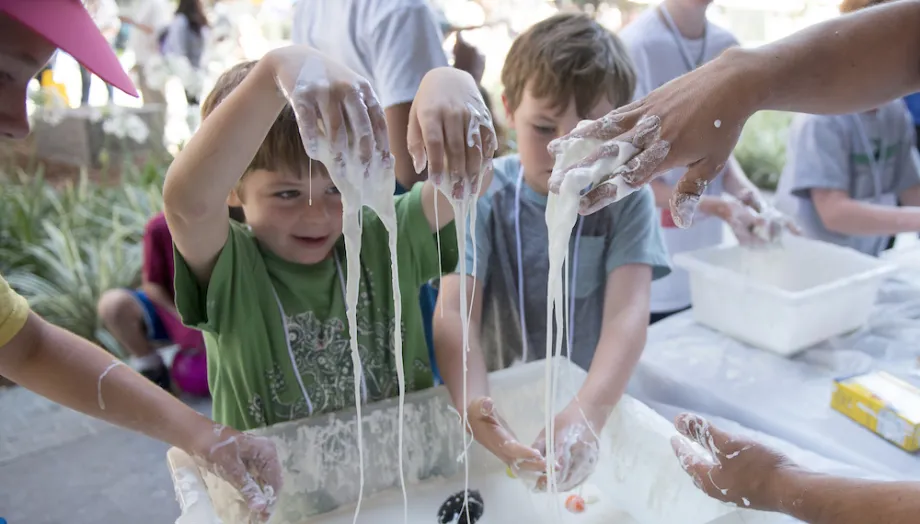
73 372
737 184
844 65
841 214
448 344
622 337
203 174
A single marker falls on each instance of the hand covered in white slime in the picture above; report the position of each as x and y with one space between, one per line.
340 119
492 432
577 448
248 463
450 131
727 467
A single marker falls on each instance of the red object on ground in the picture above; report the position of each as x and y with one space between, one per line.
190 371
575 503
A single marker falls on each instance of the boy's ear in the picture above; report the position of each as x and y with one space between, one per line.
509 114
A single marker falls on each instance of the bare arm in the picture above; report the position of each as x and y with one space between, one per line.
737 184
910 197
68 370
158 294
448 341
821 499
838 66
202 176
622 338
846 216
397 128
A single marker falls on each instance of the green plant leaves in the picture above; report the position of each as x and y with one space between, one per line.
62 248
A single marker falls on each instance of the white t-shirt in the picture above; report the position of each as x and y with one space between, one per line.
391 43
658 59
155 14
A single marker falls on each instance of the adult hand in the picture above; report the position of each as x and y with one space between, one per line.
491 431
693 121
576 447
468 58
337 111
248 463
736 469
450 131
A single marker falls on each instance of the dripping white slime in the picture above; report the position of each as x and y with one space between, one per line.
561 215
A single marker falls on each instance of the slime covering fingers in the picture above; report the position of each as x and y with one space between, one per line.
360 121
378 122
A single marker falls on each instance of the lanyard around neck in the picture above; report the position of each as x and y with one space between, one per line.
287 338
679 40
874 167
570 337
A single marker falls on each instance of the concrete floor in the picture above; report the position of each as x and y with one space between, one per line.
58 466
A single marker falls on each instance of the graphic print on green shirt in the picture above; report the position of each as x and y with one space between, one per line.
250 373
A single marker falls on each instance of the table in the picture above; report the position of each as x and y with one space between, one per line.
686 366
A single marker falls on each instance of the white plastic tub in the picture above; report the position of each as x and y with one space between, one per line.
638 479
783 299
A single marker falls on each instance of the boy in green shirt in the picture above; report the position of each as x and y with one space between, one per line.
270 296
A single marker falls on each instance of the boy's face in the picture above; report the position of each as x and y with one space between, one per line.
23 53
536 123
277 208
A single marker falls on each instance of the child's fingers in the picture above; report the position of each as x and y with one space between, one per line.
433 138
378 118
359 119
474 155
455 135
334 122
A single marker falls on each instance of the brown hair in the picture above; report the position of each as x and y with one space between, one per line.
848 6
282 150
567 56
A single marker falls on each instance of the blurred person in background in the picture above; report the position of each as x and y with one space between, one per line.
184 44
666 42
846 174
105 14
147 20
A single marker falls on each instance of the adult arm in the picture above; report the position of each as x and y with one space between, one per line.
749 474
402 47
73 372
844 65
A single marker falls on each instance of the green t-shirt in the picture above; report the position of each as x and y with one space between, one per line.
250 371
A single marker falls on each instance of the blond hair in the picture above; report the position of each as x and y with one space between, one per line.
568 56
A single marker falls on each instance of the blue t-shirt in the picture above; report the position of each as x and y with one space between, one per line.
626 232
913 105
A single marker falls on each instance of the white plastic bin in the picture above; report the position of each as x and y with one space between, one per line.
783 299
638 478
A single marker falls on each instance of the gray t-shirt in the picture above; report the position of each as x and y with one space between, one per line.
626 232
826 152
658 55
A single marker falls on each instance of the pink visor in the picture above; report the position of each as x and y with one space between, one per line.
68 25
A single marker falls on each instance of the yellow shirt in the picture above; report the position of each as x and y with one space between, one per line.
13 312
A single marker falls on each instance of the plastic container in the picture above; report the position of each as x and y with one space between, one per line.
783 299
638 478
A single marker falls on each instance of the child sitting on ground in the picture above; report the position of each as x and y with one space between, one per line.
846 174
144 319
270 297
562 70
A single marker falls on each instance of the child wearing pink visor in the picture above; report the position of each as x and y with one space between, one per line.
61 366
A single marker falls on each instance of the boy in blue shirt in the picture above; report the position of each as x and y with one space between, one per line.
564 69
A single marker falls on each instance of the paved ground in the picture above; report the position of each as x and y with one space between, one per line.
57 467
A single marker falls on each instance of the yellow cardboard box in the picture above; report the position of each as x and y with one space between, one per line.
883 403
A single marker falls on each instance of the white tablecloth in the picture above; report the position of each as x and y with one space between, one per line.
686 366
